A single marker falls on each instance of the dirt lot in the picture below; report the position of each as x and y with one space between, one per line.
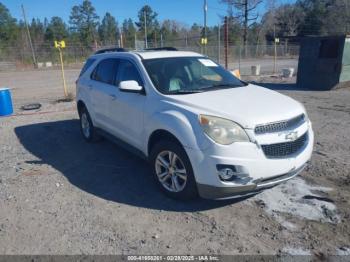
60 195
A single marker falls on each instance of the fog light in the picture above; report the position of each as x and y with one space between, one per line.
238 174
226 174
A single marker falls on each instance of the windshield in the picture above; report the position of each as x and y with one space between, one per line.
183 75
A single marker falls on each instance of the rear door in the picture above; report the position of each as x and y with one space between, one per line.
101 88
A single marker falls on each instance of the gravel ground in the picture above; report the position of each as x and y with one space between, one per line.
60 195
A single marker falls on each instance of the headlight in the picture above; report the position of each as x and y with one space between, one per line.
222 131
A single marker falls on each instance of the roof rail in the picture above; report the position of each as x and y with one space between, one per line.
108 50
167 48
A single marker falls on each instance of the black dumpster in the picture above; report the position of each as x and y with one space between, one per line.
324 62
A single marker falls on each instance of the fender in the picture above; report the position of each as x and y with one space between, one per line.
180 124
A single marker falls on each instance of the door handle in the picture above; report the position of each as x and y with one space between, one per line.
90 87
114 97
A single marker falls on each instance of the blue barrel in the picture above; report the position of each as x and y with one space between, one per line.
5 102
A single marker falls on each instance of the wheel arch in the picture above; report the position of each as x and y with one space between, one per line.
176 125
80 106
158 135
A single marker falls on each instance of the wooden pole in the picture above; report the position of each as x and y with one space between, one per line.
226 42
29 37
275 51
145 21
219 43
205 26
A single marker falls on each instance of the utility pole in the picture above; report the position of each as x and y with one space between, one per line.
121 43
29 38
145 21
205 25
226 42
245 32
275 51
155 44
219 43
161 39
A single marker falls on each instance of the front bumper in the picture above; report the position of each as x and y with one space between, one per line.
250 159
213 192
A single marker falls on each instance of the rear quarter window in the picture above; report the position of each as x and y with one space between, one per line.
86 66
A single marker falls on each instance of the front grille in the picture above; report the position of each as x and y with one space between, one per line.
280 126
284 149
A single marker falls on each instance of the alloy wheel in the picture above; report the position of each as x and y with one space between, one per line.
85 125
171 171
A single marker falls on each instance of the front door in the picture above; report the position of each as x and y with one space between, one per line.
126 109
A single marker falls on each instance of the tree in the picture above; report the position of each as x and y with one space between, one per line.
56 30
194 34
8 26
37 30
84 22
146 14
169 29
129 32
108 30
338 17
289 19
246 13
315 14
283 21
324 17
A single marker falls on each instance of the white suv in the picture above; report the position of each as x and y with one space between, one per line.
203 130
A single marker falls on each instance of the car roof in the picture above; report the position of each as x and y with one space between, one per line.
166 54
150 54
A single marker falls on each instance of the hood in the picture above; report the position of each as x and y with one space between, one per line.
248 106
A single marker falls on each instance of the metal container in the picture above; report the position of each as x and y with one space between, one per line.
324 62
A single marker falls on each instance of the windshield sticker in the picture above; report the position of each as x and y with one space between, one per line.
207 62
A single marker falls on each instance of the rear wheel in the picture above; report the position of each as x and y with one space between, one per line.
173 171
86 126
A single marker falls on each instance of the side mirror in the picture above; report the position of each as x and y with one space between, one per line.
130 86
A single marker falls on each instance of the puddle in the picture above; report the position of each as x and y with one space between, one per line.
299 199
343 251
296 251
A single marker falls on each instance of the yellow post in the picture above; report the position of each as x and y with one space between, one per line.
63 77
60 45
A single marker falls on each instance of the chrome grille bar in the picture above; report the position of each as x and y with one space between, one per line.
280 126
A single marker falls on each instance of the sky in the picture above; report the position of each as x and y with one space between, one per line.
185 11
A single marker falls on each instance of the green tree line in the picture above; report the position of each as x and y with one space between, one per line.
85 30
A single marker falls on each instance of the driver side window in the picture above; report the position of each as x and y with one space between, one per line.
127 71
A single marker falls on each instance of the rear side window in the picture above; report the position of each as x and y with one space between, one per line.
86 66
127 71
105 71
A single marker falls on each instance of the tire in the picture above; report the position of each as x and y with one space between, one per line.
183 189
87 128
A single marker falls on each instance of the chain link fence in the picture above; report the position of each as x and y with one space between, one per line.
270 59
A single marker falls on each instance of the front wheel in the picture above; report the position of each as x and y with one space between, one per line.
173 170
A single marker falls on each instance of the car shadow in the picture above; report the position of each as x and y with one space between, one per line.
101 169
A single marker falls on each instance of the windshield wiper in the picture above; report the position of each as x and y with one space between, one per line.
221 86
184 91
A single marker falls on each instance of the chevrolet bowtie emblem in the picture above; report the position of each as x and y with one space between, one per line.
292 136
